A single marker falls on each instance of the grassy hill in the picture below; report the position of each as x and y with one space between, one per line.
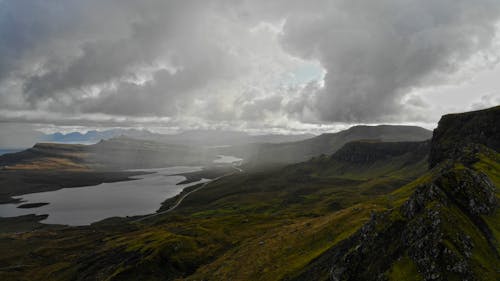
278 216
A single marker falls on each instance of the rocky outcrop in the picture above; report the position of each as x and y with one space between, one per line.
441 226
470 190
421 230
457 132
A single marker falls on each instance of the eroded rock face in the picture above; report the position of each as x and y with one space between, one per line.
375 247
474 194
417 201
424 232
456 131
438 227
471 190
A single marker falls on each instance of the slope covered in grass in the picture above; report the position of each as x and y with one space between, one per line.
446 230
263 225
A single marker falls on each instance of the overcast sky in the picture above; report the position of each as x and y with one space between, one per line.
257 65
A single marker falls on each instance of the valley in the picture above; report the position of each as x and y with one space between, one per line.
323 218
250 140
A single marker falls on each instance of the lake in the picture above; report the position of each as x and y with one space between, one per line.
85 205
227 159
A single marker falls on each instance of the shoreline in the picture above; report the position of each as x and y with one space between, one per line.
67 180
210 172
22 182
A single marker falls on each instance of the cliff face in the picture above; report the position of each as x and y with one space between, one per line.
456 131
329 143
365 152
447 229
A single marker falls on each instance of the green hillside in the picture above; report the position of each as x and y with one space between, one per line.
286 217
371 211
447 229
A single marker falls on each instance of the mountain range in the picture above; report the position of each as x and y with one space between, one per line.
328 143
190 137
128 153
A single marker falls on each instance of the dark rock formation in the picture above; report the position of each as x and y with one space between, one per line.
419 234
438 227
364 152
457 131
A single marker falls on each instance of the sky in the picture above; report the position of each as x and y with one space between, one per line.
261 66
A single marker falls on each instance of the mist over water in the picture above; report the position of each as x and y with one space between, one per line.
225 159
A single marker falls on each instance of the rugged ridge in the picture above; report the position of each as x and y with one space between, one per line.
457 131
446 230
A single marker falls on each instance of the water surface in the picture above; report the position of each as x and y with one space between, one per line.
85 205
226 159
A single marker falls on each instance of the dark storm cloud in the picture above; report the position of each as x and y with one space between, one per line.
376 51
199 59
83 45
147 34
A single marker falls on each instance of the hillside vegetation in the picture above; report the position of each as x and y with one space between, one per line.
447 229
371 211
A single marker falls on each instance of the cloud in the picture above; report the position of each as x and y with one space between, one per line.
18 135
222 63
486 101
377 51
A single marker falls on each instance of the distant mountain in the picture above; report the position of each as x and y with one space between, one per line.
95 136
114 154
294 152
368 159
145 149
191 137
226 138
369 152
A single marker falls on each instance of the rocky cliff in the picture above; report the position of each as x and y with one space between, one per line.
457 131
447 229
364 152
